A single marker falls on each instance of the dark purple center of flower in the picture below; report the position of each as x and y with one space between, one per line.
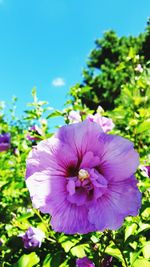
87 185
72 171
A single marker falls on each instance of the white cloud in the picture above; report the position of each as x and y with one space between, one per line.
58 82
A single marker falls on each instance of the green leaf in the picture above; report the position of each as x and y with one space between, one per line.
115 252
94 239
68 242
54 114
141 263
121 66
130 230
144 126
146 213
143 227
64 264
47 260
146 250
27 260
79 251
52 260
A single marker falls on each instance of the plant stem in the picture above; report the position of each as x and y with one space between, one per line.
123 256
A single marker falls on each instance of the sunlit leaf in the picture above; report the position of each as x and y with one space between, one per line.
27 260
141 263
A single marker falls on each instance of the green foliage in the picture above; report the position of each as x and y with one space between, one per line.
27 260
125 92
112 63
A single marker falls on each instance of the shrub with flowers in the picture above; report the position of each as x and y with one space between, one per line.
77 195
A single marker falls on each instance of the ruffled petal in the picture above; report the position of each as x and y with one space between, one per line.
79 197
125 196
42 187
89 160
52 155
119 160
71 219
104 216
122 199
81 137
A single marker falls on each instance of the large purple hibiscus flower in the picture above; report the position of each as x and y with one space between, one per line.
84 178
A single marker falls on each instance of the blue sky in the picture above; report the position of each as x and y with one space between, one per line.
45 43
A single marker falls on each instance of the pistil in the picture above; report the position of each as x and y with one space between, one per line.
83 174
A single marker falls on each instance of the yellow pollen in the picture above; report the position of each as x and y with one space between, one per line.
83 174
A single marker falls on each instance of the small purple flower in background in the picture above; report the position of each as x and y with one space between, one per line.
107 262
4 142
84 262
146 170
84 178
74 116
105 123
34 133
33 237
139 68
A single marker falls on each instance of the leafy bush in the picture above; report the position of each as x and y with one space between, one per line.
130 112
111 63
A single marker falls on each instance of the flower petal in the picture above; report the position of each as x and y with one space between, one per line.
52 155
71 219
104 216
119 160
89 160
42 186
122 199
125 196
81 137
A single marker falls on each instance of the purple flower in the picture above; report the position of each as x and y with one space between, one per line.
107 262
146 170
33 237
139 68
84 262
74 116
105 123
84 178
4 142
34 133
